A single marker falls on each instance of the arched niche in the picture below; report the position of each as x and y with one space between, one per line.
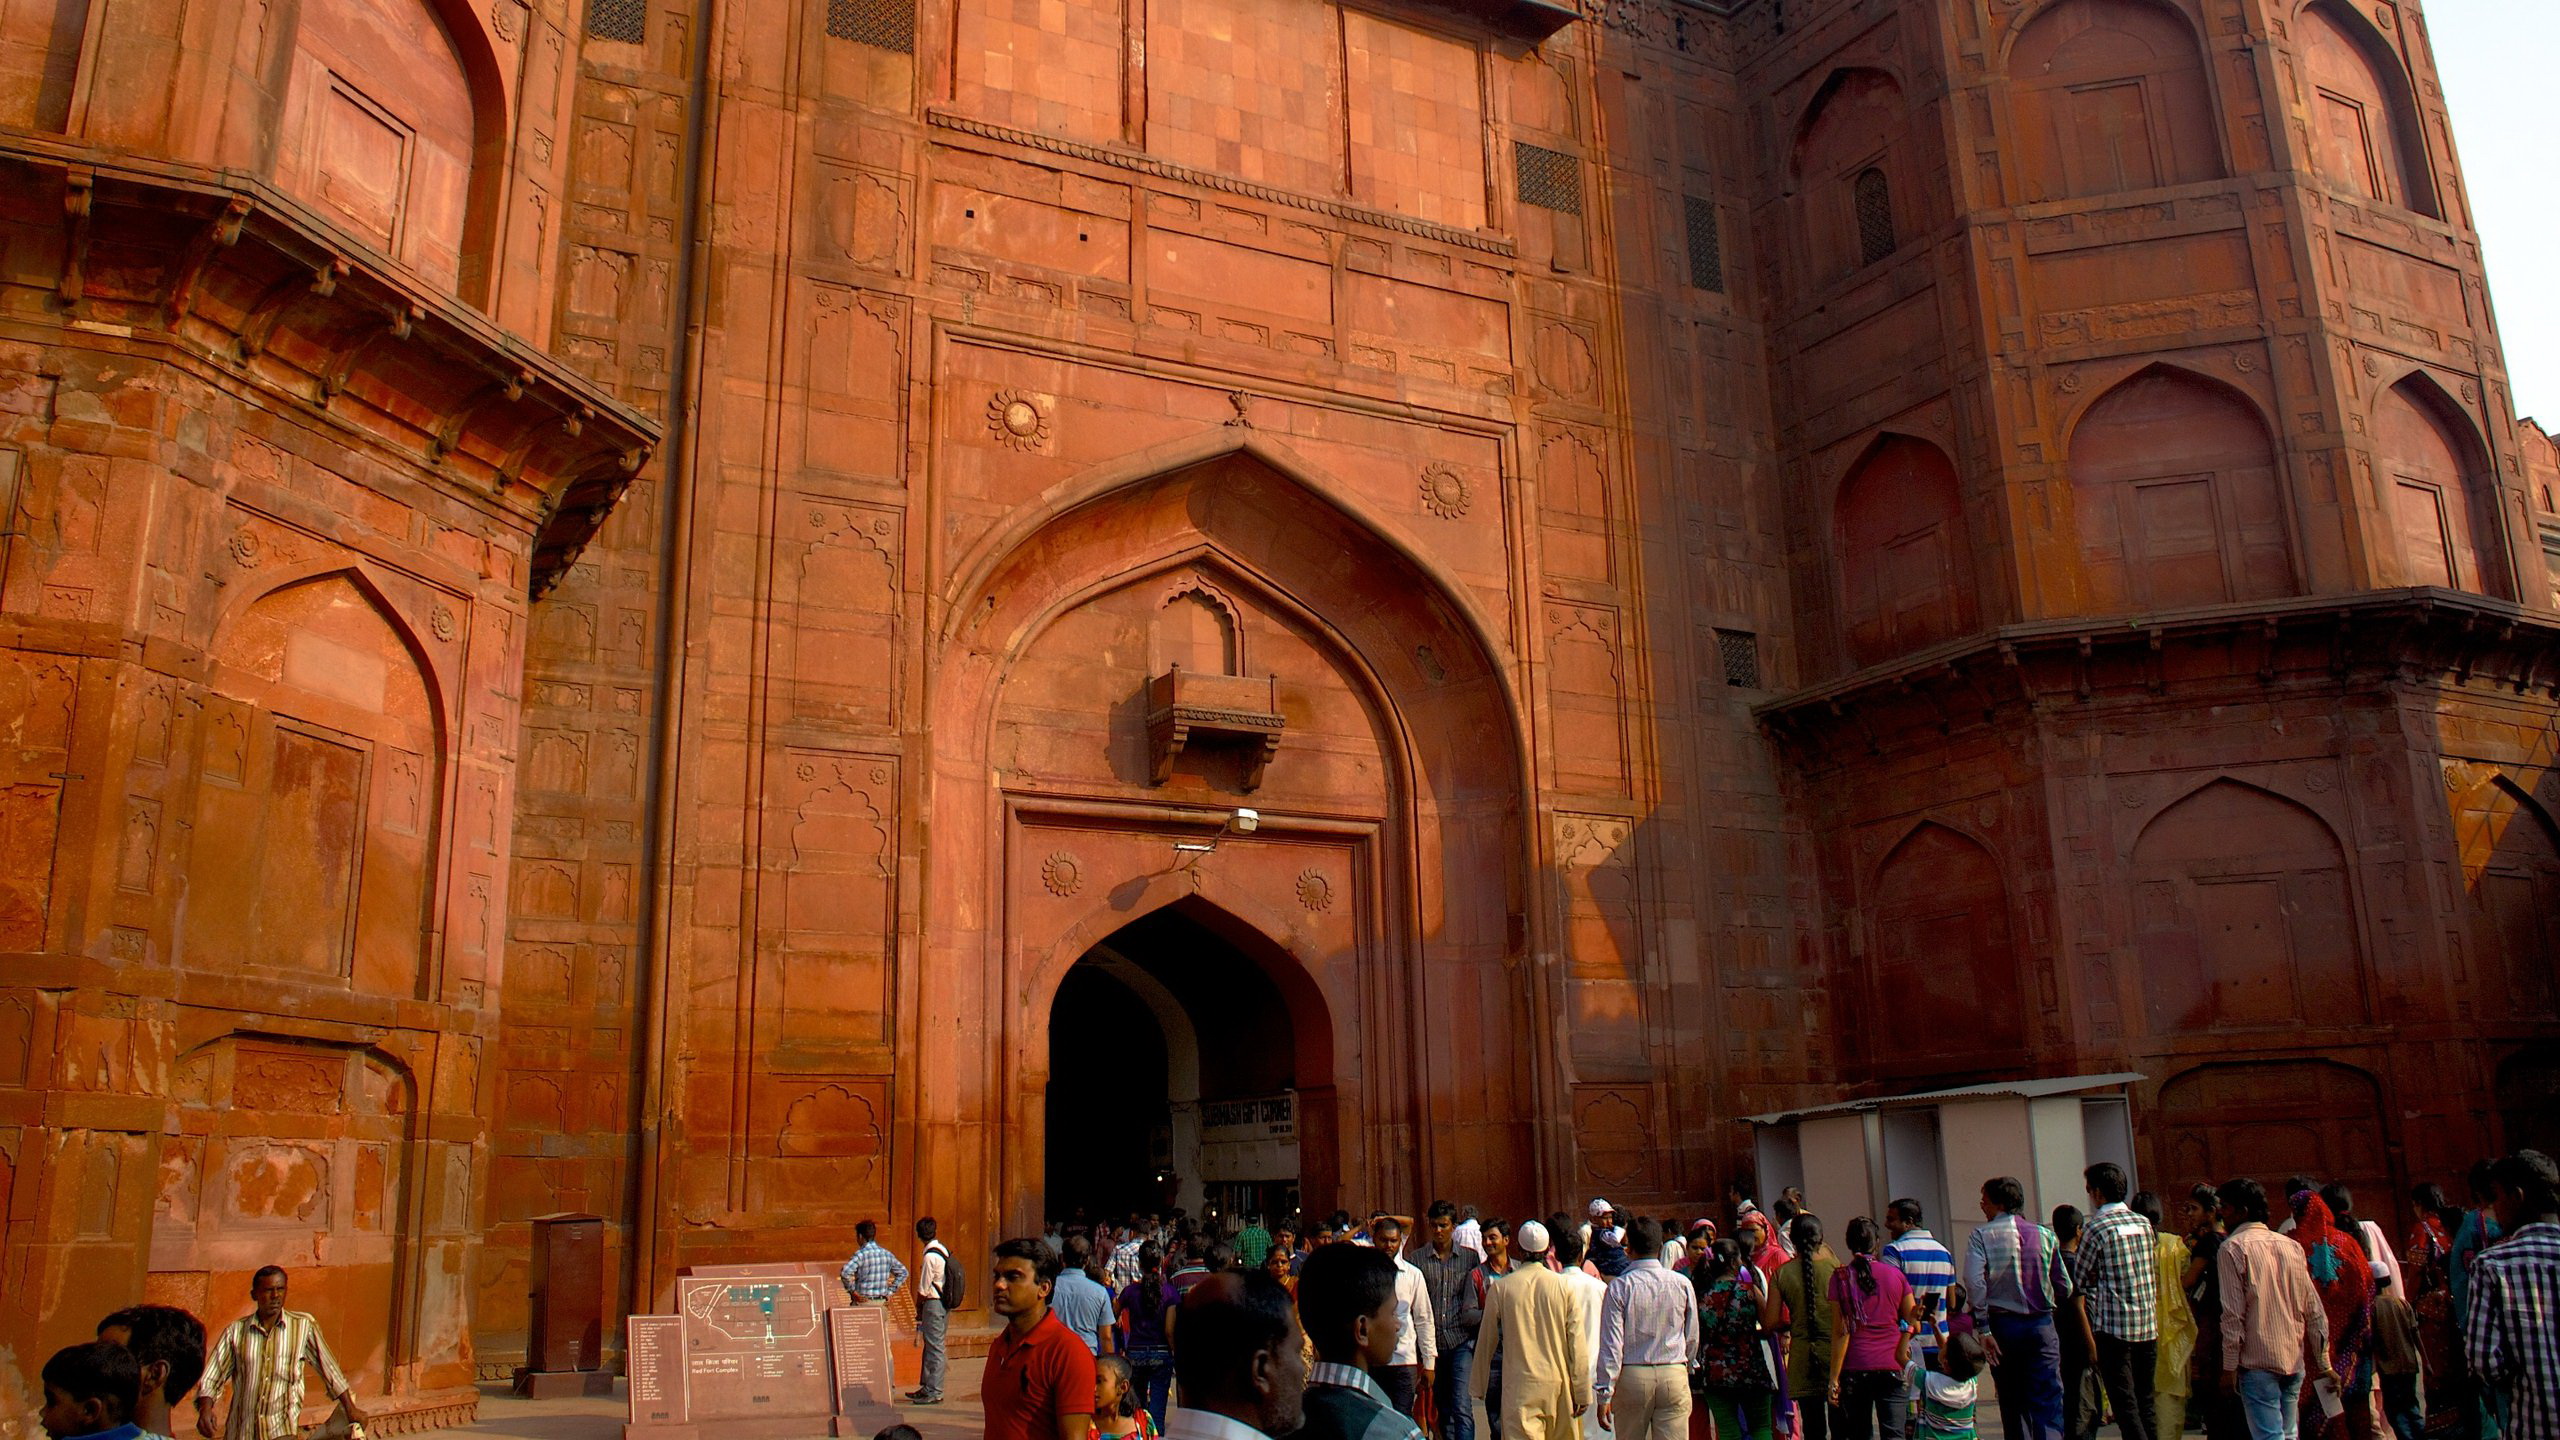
2528 1086
2365 136
2175 493
320 780
1943 993
2270 1118
392 127
1401 731
2511 867
1906 564
2244 916
296 1152
2112 95
2437 484
1852 185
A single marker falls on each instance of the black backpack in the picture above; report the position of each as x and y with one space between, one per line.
955 1281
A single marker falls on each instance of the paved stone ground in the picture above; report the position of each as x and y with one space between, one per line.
957 1418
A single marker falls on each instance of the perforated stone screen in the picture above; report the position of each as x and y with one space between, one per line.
1548 179
1875 216
1740 650
1706 243
623 20
884 24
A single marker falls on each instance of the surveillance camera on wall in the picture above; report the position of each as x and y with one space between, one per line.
1245 822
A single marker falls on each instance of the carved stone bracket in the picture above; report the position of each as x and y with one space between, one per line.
1183 706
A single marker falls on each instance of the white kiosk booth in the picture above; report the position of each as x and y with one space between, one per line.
1938 1147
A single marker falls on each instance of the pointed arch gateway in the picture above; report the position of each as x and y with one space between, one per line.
1383 884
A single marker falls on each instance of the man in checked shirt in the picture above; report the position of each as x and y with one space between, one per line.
2116 1298
260 1357
873 1274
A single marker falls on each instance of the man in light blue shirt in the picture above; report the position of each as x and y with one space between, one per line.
1080 1302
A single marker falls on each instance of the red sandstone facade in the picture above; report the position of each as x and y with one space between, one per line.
602 599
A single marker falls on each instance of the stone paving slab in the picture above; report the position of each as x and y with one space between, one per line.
601 1417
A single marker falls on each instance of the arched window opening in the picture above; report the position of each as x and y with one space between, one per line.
1906 567
2442 501
1843 165
2364 132
2174 489
2112 95
379 130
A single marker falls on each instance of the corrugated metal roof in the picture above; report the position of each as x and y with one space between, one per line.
1986 1090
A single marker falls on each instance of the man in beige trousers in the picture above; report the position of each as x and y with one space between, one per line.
1533 1321
1648 1336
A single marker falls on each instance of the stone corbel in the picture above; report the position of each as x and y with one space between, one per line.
506 390
281 297
396 324
219 233
78 191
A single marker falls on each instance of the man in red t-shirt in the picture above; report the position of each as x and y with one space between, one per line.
1039 1377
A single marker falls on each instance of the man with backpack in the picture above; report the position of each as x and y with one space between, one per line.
940 1287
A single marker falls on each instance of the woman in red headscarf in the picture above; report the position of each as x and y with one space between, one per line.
2344 1278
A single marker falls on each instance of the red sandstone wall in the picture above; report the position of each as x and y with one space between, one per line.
1623 448
2257 871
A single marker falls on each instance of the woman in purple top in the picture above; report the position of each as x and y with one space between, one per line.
1872 1311
1142 1307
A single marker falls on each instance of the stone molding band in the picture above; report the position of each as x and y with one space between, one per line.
1211 180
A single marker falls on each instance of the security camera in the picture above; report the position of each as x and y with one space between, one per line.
1245 822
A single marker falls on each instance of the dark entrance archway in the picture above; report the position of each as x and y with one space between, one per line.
1174 1078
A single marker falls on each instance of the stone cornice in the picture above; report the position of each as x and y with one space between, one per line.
260 288
2381 637
1145 164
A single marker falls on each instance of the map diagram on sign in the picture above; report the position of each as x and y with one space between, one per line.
760 1311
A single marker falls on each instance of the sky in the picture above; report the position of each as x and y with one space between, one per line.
2495 60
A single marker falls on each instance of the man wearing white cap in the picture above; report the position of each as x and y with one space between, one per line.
1533 1322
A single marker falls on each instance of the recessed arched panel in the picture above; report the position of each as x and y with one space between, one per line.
320 764
2529 1099
1943 969
2442 503
2243 916
2112 95
2173 480
380 130
2268 1119
2511 866
2364 130
1847 173
1906 566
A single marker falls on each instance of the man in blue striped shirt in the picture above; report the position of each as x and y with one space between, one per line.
1924 1262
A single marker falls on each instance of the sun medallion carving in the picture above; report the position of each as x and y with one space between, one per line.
1061 874
1018 418
1315 891
1445 492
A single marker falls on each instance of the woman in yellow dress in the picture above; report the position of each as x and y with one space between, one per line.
2170 1384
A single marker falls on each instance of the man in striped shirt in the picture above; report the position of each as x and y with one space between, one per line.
1926 1264
261 1357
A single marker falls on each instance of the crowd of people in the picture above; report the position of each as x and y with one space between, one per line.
2252 1318
250 1384
2255 1318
